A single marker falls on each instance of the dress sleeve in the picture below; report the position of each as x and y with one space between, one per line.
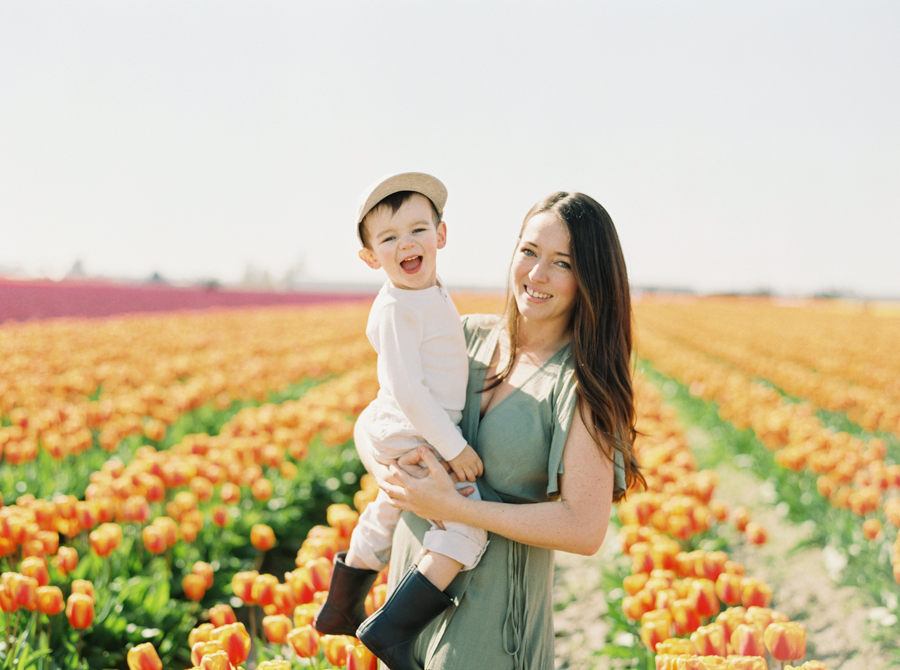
399 335
564 409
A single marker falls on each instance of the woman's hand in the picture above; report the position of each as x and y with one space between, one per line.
428 497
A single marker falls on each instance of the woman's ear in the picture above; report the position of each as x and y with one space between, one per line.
441 235
368 257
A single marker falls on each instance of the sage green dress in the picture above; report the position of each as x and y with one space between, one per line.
502 616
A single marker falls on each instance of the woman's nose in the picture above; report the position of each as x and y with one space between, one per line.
538 273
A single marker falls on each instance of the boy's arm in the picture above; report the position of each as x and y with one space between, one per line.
399 335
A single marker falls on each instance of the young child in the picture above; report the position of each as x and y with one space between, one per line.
422 372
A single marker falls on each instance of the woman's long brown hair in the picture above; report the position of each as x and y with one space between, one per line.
601 338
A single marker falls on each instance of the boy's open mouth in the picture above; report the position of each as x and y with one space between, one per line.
411 264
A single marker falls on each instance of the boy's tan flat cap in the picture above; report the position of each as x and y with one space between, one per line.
431 187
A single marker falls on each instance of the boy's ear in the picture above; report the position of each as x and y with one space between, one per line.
441 235
368 257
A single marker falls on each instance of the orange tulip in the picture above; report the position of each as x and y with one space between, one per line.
242 585
194 586
786 641
376 599
105 538
728 588
49 540
305 641
217 660
83 586
200 634
143 657
204 570
274 664
703 592
50 600
685 616
263 590
872 528
756 533
676 646
66 560
320 573
80 611
304 614
220 516
154 538
262 537
169 529
335 648
276 628
230 493
709 640
301 585
262 489
655 627
741 517
203 648
221 615
747 640
360 658
22 589
36 567
235 641
755 592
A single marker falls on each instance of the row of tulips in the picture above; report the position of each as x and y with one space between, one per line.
135 375
852 474
157 501
677 595
840 360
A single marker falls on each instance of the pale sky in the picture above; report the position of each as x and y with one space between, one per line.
736 145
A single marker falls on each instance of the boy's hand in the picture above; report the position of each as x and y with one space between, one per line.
467 466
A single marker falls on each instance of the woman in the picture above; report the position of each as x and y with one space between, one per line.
550 411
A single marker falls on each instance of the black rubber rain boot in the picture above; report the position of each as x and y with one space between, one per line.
345 608
391 632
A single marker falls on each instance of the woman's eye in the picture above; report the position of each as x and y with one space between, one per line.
564 265
528 252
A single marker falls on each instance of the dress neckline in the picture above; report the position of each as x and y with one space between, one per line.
493 343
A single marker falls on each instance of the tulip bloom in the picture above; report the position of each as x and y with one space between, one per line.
320 573
242 585
262 537
304 614
83 586
220 516
755 592
747 640
36 567
194 586
709 640
748 663
741 517
305 641
360 658
785 641
655 627
872 528
756 533
703 592
262 489
221 615
203 648
728 588
80 611
66 560
217 660
263 590
154 539
276 628
685 616
204 570
376 599
50 600
143 657
200 634
230 493
335 648
235 641
22 589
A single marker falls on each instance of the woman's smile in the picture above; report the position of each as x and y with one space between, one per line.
536 294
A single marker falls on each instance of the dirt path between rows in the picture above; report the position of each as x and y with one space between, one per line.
835 618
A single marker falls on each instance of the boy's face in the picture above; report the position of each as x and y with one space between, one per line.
405 244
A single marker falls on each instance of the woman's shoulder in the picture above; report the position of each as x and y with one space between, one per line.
479 325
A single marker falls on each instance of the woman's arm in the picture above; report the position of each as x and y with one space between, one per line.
575 523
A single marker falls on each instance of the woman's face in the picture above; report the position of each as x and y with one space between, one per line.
545 286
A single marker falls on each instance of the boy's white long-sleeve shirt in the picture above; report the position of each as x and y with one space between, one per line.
422 362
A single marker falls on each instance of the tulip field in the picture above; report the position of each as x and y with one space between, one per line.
175 485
